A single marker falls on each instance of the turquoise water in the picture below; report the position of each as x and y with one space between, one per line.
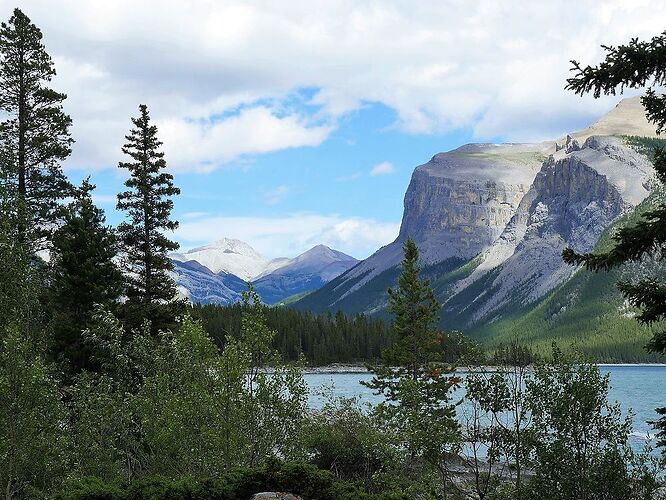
639 388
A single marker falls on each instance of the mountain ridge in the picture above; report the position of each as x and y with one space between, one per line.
219 271
491 221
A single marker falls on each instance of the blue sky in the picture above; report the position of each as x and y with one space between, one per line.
360 171
288 124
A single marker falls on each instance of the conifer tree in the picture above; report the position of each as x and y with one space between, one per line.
634 65
83 276
18 290
414 380
34 138
151 291
415 313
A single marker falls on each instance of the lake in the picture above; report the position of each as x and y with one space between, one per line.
640 388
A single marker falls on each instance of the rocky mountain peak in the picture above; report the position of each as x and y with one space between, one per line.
497 217
218 272
228 256
626 118
323 253
229 245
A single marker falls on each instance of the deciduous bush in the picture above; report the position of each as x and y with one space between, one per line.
240 484
346 440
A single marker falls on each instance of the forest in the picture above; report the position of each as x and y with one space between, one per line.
323 338
111 387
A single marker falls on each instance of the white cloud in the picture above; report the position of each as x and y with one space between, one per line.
203 145
216 75
383 168
276 195
104 199
293 234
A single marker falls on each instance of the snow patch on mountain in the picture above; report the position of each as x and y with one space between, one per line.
199 284
230 256
219 272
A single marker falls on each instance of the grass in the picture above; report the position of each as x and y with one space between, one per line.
291 299
520 157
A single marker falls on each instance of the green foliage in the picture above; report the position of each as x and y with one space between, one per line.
181 407
321 338
496 422
34 137
240 484
413 381
580 440
634 66
32 420
271 405
344 438
547 431
203 412
20 279
150 291
587 313
292 299
174 406
107 437
644 145
83 276
415 310
356 445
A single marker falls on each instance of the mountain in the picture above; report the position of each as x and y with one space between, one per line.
456 205
491 221
219 272
201 285
228 256
308 271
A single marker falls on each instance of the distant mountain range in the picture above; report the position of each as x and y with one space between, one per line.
491 221
218 273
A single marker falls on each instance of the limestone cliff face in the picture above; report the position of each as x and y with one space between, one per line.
491 220
456 205
460 202
500 216
576 195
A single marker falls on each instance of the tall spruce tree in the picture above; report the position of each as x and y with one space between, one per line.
83 276
151 291
34 138
415 312
634 65
414 380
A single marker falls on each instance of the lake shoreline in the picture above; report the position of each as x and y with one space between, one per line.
335 368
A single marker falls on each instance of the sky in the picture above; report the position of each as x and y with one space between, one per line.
289 124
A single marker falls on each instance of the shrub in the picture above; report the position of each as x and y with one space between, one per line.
239 484
341 438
